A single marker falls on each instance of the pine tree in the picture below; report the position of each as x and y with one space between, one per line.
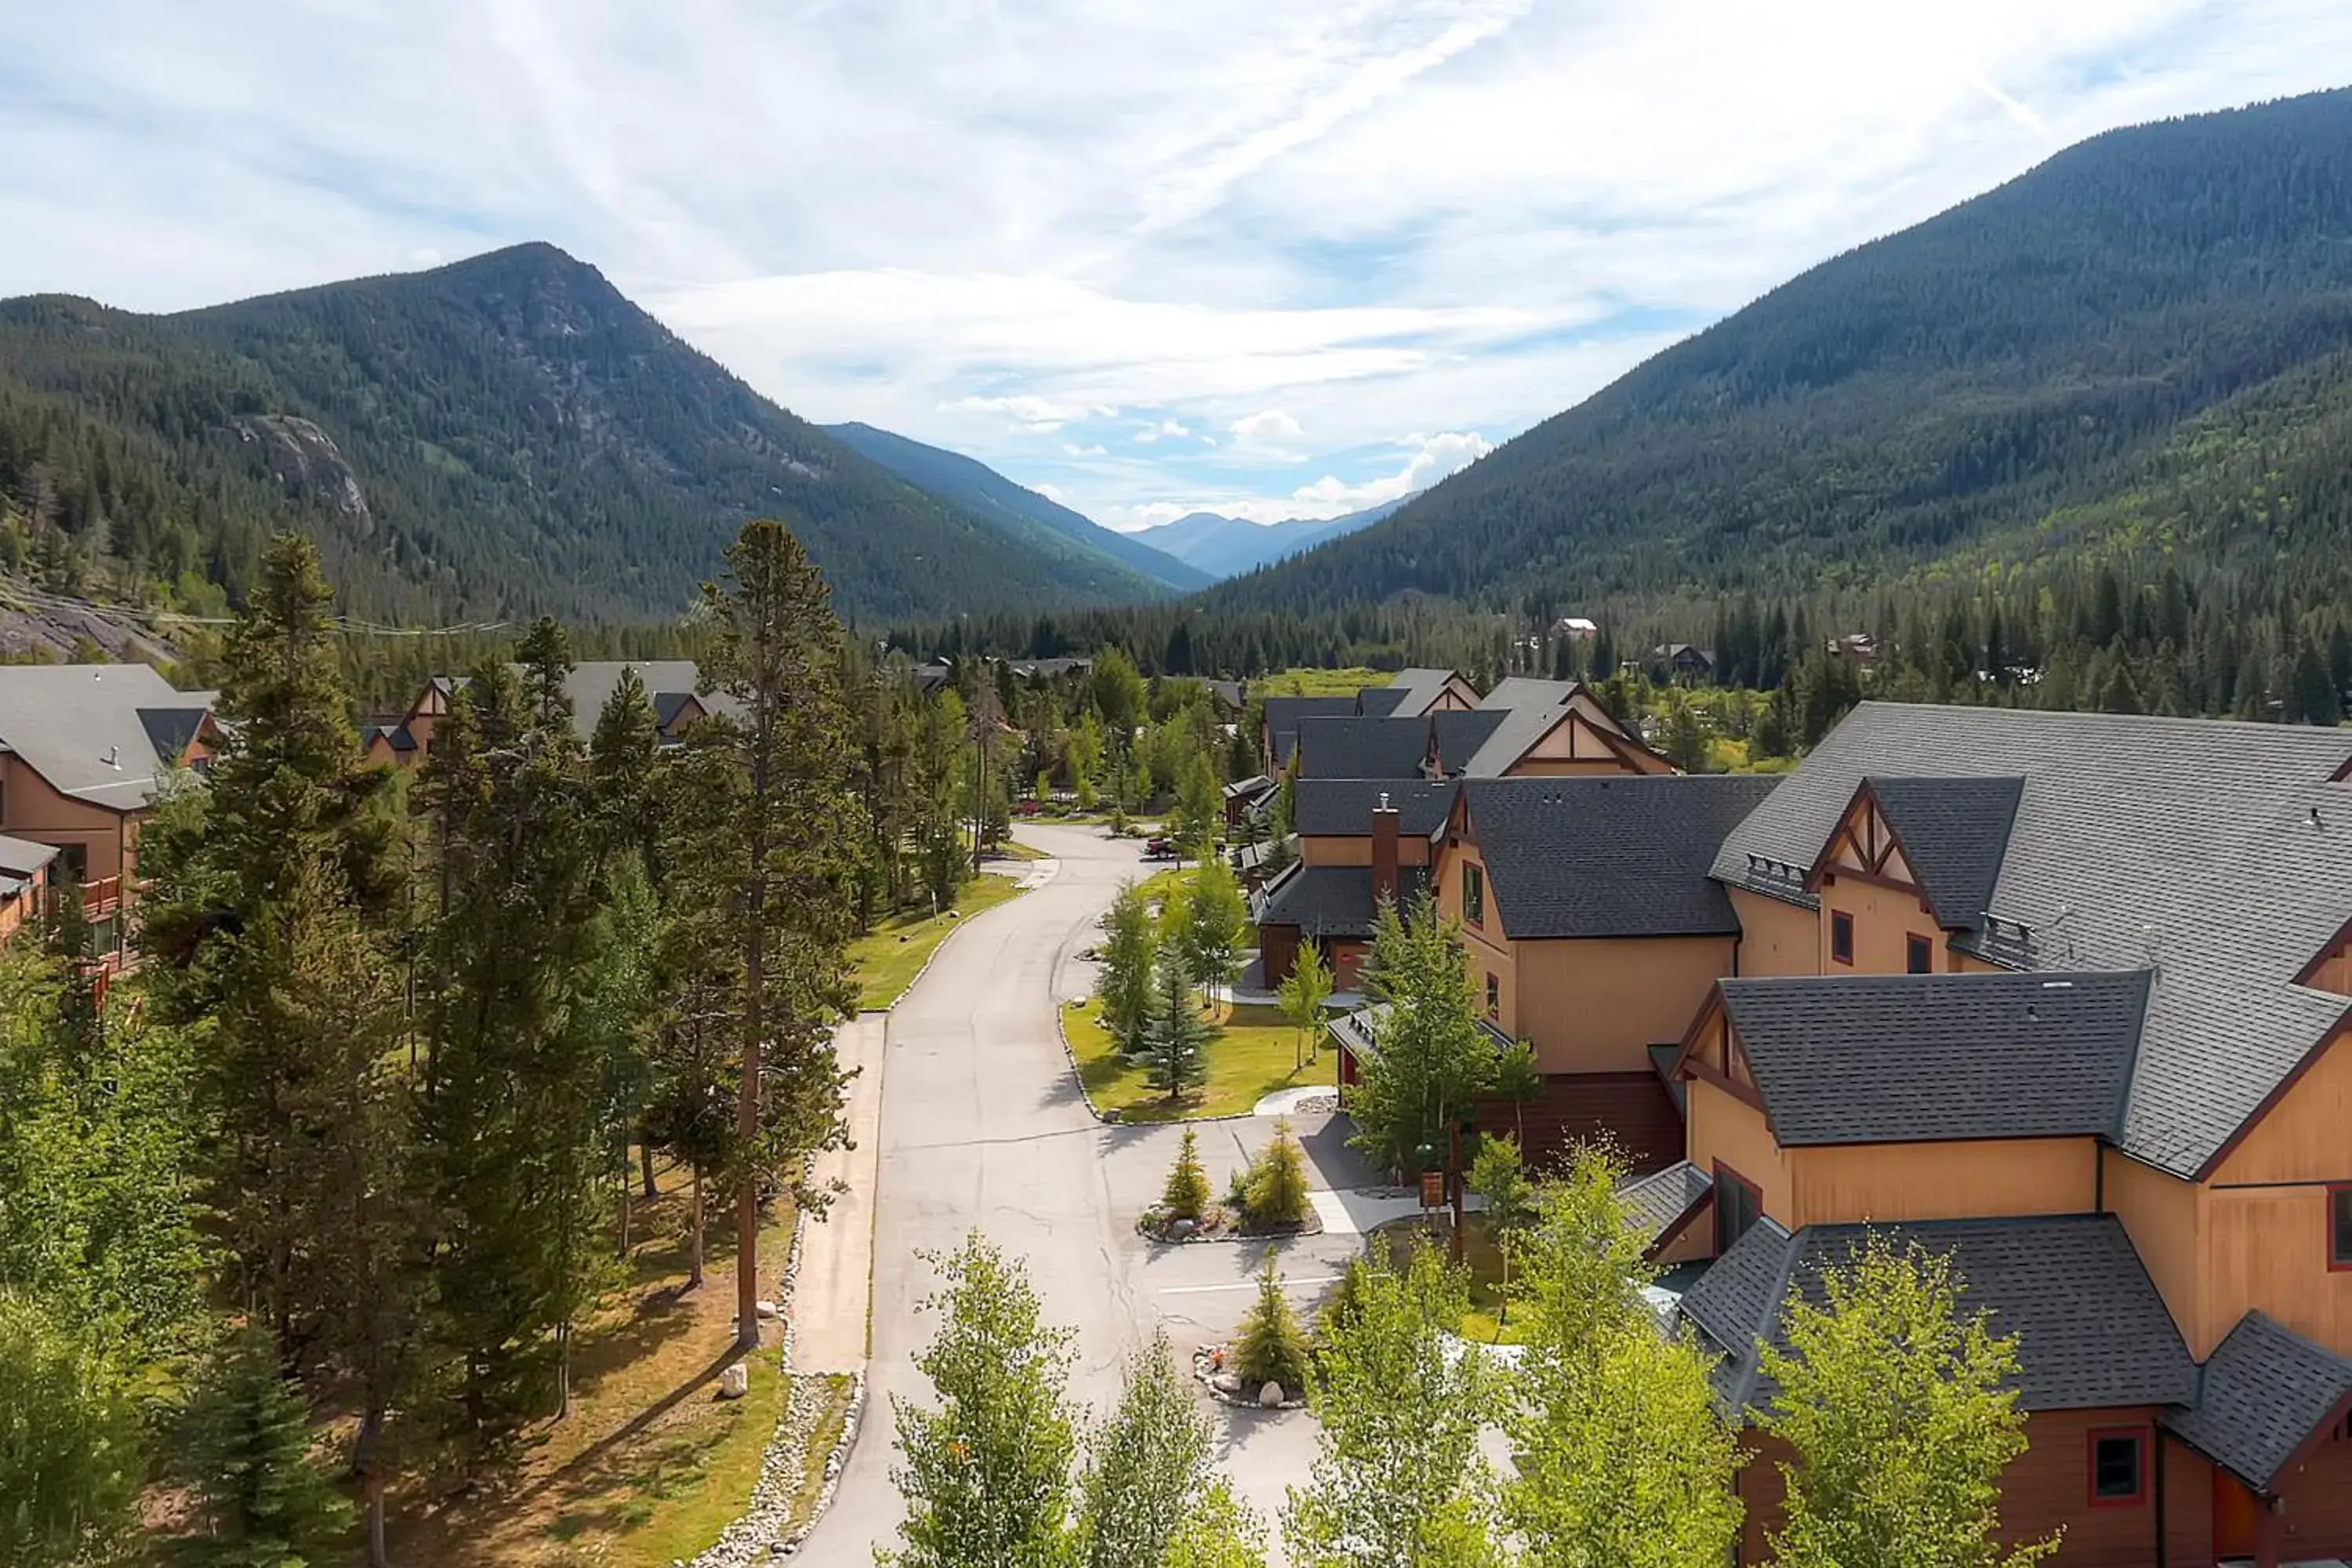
1271 1346
1176 1037
777 655
259 1497
1278 1180
1186 1196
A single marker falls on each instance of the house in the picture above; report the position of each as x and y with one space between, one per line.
24 882
2068 997
1362 843
1683 658
1416 692
1279 728
1860 647
1593 929
1523 728
671 684
1576 628
85 750
1243 796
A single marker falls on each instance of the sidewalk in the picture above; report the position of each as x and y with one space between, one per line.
830 1299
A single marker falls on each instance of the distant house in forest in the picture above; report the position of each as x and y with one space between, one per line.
671 684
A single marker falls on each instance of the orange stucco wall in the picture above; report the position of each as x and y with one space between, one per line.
1776 938
1596 1005
1725 1129
1882 917
2162 1215
2307 1135
1356 849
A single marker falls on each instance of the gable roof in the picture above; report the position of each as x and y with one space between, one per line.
2262 1396
1953 833
1332 900
1609 857
1283 714
91 731
2092 1333
1415 689
1659 1201
669 683
1930 1058
2216 853
1383 702
1527 691
1352 747
1342 808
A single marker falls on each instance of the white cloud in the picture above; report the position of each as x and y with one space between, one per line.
1076 451
984 224
1026 412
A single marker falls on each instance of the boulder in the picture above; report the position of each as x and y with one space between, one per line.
735 1382
1270 1396
1226 1383
768 1309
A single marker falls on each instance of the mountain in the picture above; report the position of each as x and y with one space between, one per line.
2144 343
1230 546
1045 525
505 435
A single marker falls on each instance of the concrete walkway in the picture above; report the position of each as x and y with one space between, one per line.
830 1299
1367 1209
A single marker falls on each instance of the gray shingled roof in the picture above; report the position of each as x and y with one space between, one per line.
1331 900
2217 853
1955 832
1415 689
669 683
1283 714
2092 1333
1656 1201
2263 1392
1920 1058
90 728
1383 702
1353 748
1526 691
1334 808
1609 857
21 858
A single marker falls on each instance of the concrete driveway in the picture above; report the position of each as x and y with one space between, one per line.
982 1127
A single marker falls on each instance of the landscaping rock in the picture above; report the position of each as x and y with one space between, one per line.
735 1382
1226 1383
1270 1396
768 1309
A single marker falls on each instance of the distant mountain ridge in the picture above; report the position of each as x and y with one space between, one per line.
2144 343
1229 546
499 437
1038 521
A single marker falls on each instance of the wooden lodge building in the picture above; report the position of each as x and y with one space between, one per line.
2065 997
85 751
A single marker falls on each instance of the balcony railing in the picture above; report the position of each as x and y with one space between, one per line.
101 897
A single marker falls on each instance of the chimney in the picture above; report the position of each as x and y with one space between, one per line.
1384 852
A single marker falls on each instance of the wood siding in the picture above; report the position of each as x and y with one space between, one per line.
2267 1248
2315 1519
1729 1129
2162 1213
1356 849
2307 1135
1633 1109
30 809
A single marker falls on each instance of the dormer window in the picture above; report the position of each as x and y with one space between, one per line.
1841 937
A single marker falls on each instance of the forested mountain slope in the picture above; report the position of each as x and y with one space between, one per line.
1229 546
2147 340
502 435
1044 524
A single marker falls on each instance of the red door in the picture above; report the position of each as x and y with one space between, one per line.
2235 1515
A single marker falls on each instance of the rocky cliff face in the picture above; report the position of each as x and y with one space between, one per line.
306 462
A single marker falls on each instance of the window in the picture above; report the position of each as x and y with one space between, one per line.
1739 1203
1474 895
1494 997
1918 955
2340 1226
2118 1468
1842 937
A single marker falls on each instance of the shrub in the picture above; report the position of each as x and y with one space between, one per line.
1278 1182
1186 1196
1273 1346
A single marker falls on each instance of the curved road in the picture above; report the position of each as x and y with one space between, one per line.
982 1127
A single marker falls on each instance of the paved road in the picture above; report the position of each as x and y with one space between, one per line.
982 1127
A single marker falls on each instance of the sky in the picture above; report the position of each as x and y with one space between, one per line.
1267 259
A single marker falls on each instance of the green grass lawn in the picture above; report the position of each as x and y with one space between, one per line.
1318 682
1253 1054
887 959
